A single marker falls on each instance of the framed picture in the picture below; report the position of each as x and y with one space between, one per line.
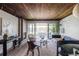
0 26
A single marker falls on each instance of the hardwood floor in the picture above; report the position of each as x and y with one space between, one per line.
50 50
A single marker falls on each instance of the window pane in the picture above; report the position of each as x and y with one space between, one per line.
31 28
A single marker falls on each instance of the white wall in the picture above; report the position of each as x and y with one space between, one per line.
71 26
11 20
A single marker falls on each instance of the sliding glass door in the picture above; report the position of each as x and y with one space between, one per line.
53 29
41 31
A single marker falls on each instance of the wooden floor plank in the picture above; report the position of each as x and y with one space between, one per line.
50 50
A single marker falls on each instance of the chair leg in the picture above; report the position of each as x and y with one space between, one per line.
27 52
32 52
38 51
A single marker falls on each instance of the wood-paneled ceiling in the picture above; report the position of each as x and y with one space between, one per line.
39 11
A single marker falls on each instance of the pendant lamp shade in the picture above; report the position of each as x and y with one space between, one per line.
76 10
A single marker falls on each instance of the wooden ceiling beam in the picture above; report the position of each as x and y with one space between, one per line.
43 19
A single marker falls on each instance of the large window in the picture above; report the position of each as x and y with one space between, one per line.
43 30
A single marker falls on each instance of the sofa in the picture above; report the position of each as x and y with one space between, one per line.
67 45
